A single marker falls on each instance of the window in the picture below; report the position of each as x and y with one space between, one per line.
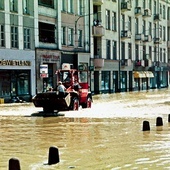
160 55
27 38
114 47
130 50
129 23
114 21
123 50
150 52
164 33
2 4
14 37
150 28
63 36
13 5
81 7
63 5
137 52
108 49
25 7
49 3
136 26
2 36
70 36
144 52
164 12
70 6
80 38
107 19
46 32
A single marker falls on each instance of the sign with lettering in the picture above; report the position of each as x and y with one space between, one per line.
44 68
50 58
4 62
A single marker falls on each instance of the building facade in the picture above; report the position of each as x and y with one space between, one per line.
63 37
130 45
17 55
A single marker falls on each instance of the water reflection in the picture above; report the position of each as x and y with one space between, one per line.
87 143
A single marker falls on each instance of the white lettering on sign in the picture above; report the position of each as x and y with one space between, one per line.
4 62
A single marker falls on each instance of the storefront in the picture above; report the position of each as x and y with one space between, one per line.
143 80
17 76
46 78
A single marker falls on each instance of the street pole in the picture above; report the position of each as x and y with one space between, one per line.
119 41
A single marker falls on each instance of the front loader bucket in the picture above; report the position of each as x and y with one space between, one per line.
51 101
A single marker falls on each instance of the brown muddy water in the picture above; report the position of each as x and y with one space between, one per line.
108 136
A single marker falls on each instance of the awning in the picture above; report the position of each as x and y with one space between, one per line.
139 74
149 74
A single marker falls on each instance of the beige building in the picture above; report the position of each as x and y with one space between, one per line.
130 45
17 50
63 36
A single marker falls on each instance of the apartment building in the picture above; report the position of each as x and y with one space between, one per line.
17 54
63 36
130 45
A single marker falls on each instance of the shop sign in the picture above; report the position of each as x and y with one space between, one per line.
50 58
4 62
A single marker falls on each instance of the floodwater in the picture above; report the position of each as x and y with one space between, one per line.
108 136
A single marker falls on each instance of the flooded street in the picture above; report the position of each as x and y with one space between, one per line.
108 136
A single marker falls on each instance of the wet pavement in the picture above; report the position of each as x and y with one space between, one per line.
107 136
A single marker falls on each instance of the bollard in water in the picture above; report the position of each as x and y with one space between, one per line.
159 121
14 164
53 156
146 126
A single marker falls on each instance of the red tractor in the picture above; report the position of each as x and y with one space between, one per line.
75 95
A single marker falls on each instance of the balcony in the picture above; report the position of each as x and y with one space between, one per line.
139 11
139 63
147 13
98 62
157 40
125 34
157 17
98 31
125 6
98 2
147 38
139 37
126 62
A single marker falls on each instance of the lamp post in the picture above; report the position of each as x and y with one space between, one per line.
119 42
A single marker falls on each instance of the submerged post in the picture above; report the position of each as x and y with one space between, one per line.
53 157
14 164
146 126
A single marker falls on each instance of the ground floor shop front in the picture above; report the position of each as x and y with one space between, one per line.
123 81
17 75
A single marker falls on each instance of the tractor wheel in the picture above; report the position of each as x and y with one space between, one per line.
75 104
88 103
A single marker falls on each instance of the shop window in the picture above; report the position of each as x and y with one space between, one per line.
46 33
4 83
23 83
105 83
